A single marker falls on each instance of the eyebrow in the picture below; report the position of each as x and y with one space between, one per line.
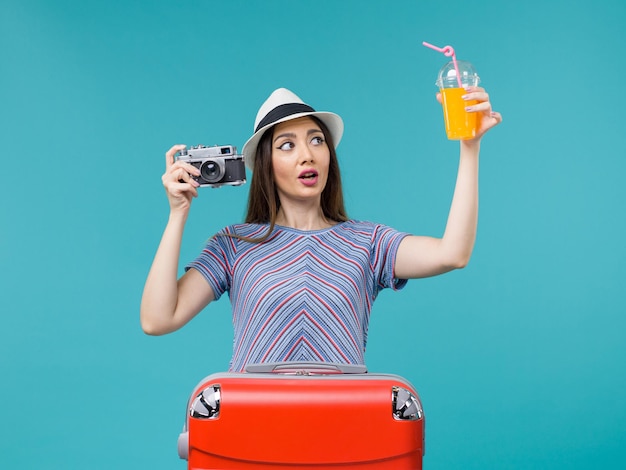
292 135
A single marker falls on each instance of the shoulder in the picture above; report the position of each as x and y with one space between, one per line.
374 234
361 232
355 225
244 230
228 238
362 227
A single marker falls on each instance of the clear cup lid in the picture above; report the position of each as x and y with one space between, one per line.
447 75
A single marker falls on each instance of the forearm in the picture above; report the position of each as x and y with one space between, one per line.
460 233
160 295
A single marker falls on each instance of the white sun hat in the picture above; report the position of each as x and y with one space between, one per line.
281 106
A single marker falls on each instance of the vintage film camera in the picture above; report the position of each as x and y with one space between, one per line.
219 165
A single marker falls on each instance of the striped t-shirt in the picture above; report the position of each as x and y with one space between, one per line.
301 295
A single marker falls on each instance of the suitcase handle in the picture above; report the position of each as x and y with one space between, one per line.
306 368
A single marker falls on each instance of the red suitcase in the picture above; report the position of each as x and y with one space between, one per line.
311 415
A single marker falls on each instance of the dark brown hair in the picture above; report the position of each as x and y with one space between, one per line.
263 200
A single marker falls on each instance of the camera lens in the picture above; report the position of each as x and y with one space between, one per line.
212 170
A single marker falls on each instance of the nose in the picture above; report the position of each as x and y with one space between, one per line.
306 155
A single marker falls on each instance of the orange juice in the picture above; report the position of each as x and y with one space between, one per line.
460 124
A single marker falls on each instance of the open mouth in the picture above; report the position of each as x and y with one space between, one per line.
308 175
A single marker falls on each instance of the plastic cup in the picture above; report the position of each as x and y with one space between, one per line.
460 125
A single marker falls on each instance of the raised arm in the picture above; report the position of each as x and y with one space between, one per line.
420 256
168 303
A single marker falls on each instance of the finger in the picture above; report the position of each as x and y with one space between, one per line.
492 121
178 174
186 188
169 155
181 176
189 189
476 96
177 190
496 116
188 167
484 107
470 88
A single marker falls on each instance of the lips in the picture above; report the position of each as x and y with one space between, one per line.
308 174
308 177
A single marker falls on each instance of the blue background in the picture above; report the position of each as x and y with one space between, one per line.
520 358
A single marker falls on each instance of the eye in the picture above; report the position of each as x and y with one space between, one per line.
317 140
287 145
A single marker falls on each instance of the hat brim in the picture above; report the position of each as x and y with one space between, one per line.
332 121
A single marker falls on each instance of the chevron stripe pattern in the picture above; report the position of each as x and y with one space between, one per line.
301 295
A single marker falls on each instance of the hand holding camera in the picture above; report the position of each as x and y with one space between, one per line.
219 165
188 169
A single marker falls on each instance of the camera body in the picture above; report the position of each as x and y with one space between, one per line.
219 165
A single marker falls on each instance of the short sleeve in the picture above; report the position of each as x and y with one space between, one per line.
385 244
215 262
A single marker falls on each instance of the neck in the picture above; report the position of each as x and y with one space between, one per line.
303 218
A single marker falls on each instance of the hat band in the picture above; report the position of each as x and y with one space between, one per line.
282 111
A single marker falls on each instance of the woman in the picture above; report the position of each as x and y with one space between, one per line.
301 276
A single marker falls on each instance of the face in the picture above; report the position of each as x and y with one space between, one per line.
300 160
